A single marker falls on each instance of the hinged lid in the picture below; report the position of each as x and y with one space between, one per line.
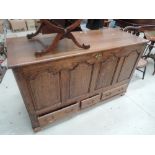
21 51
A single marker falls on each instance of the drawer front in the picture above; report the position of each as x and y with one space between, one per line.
90 101
54 116
113 92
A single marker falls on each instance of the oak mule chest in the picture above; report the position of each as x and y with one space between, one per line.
70 79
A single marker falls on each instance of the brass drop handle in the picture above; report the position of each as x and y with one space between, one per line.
98 56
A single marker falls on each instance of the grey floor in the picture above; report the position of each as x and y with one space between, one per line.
133 113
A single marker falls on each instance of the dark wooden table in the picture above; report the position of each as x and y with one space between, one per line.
134 22
71 79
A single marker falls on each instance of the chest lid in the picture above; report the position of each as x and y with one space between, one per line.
21 51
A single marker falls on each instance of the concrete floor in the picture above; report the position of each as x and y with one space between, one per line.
133 113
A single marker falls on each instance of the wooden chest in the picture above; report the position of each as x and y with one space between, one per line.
60 84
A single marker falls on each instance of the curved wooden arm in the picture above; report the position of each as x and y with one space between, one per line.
73 26
131 28
54 28
139 28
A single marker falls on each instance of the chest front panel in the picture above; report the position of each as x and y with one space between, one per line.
54 84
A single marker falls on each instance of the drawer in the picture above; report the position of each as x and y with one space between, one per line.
90 101
113 92
56 115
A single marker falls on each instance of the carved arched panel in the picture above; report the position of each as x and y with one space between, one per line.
80 79
106 72
45 88
128 66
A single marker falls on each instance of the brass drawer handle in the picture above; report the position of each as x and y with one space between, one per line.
98 56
